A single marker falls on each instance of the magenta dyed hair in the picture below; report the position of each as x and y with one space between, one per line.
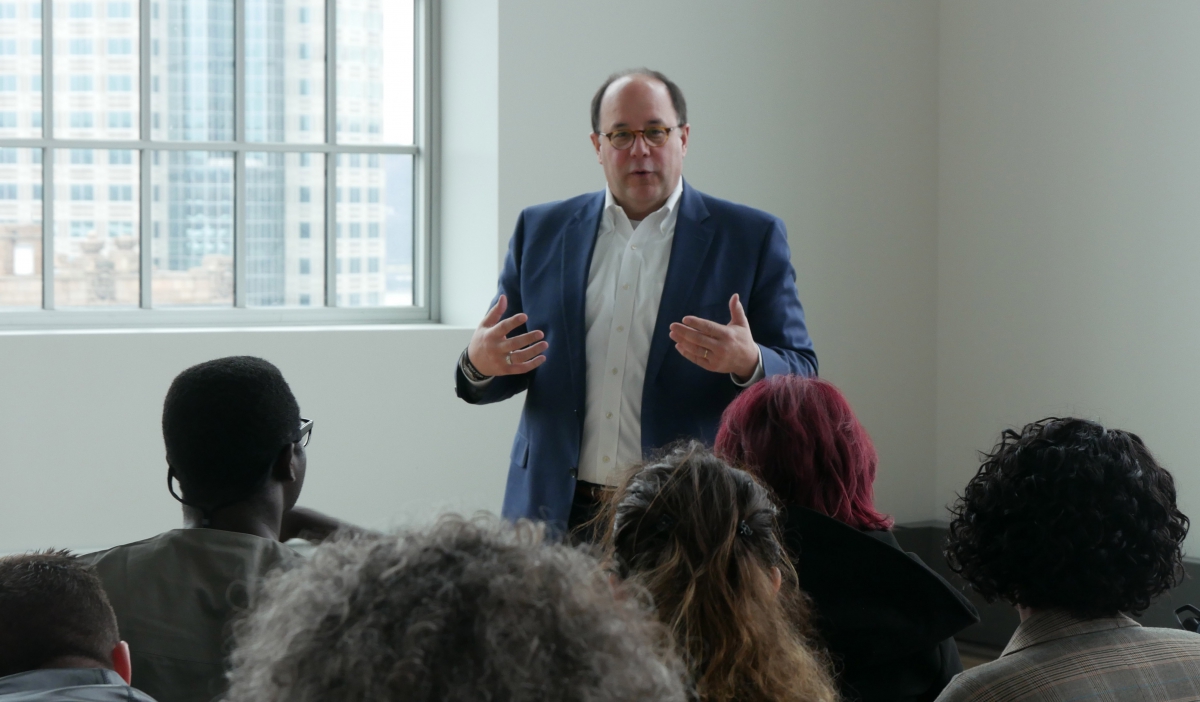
801 438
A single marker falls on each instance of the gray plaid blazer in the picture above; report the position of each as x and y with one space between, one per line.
1055 657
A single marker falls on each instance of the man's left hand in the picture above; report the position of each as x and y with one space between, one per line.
727 348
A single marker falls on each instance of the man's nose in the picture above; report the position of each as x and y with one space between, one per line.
640 146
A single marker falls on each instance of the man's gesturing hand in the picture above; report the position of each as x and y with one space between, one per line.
493 353
728 348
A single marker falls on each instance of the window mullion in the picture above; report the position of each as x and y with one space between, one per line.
331 157
48 155
239 156
144 156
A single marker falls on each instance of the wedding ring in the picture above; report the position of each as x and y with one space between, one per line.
508 358
706 354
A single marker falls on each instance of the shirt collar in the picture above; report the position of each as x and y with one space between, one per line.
56 678
668 210
1057 624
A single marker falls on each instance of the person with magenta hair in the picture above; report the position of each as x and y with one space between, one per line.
887 620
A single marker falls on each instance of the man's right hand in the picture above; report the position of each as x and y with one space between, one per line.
493 353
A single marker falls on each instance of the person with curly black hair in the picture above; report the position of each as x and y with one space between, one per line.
1076 525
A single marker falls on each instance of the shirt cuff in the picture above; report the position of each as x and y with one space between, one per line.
756 376
488 381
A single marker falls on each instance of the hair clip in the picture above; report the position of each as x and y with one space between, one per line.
744 529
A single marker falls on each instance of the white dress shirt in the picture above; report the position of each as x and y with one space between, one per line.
624 287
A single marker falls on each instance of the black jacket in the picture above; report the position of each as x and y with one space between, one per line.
886 619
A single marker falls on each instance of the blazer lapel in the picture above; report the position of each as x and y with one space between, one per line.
579 241
693 235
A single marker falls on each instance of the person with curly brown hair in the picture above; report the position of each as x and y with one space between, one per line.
1076 525
701 538
464 611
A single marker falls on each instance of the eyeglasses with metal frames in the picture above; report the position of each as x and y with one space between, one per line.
622 139
306 427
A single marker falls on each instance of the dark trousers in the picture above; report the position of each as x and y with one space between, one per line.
582 526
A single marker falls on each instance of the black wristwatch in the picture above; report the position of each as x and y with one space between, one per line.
469 369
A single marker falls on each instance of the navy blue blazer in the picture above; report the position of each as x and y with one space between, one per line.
720 248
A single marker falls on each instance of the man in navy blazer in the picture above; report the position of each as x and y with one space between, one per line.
630 316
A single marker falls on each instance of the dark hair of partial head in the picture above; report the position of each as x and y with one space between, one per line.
677 100
1069 515
799 435
224 423
52 607
701 538
465 610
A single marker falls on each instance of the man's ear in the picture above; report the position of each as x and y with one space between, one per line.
684 132
121 663
283 470
596 146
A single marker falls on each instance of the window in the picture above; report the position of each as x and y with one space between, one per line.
159 187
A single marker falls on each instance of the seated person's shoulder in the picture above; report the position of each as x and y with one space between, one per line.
181 550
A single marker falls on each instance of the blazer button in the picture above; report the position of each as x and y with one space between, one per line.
574 472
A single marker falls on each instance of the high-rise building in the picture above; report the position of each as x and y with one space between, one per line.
192 192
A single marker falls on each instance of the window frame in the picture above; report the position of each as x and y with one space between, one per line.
425 286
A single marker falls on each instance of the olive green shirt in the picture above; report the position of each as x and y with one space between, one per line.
175 596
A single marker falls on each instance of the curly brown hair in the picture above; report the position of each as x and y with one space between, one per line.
701 538
465 610
1069 515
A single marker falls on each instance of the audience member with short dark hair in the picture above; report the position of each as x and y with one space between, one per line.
1077 526
887 620
464 611
700 537
235 443
58 635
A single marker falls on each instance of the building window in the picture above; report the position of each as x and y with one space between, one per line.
316 145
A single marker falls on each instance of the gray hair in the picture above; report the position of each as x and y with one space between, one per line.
463 611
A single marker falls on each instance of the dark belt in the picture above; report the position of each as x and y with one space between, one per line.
592 491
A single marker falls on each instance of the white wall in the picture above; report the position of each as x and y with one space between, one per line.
823 113
1068 247
81 447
